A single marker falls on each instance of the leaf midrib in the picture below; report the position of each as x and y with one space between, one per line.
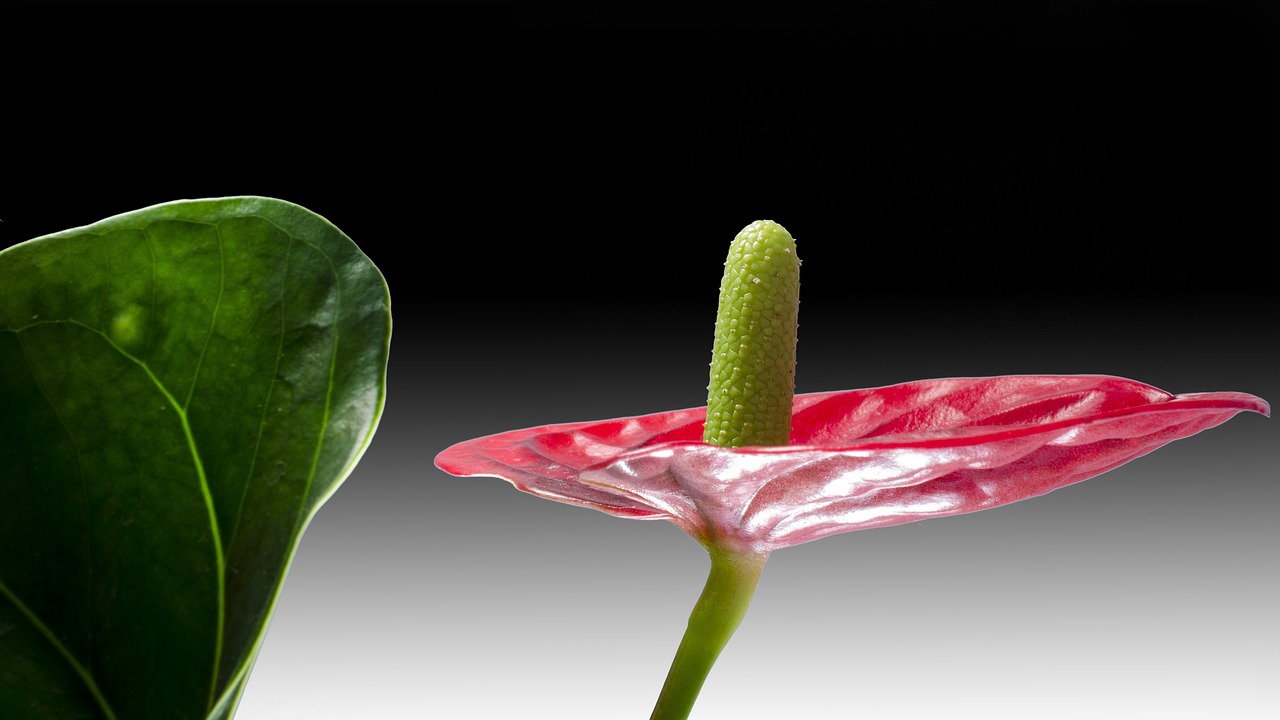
205 492
215 529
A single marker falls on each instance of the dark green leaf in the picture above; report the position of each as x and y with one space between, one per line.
182 387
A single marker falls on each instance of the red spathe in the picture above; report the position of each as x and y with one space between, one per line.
858 459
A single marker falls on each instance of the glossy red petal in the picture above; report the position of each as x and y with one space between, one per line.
858 459
548 461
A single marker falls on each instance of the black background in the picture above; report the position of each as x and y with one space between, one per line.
917 149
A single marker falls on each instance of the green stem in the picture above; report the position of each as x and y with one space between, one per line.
717 614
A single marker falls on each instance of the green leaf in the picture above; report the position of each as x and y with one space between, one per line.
181 388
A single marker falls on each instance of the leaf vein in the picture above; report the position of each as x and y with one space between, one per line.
62 649
206 492
84 494
266 407
328 394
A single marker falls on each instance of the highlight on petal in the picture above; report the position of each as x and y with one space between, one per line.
547 461
858 459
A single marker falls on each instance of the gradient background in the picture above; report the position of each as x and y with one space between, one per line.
976 189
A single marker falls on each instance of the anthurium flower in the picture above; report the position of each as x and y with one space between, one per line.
857 459
760 469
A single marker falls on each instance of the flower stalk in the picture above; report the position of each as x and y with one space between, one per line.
716 615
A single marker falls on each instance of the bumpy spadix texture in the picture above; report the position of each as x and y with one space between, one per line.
858 459
753 360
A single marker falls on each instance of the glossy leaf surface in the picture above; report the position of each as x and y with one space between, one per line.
182 387
857 459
